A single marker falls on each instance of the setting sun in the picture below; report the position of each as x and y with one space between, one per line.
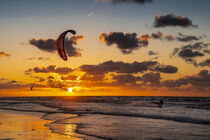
70 89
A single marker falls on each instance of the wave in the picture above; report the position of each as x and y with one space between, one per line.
105 106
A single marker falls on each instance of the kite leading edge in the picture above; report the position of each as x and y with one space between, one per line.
60 44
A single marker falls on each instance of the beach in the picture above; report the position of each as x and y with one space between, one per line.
25 125
96 118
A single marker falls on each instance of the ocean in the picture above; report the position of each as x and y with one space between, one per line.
117 117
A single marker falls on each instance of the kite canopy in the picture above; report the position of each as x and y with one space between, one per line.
60 44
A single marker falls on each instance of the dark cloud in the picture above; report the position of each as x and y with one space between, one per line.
157 35
181 37
190 52
2 54
57 84
50 77
126 42
196 46
172 20
152 53
129 68
198 81
204 63
174 83
166 69
126 79
187 38
39 58
44 58
13 84
49 45
3 79
150 79
128 1
207 51
153 78
119 67
50 69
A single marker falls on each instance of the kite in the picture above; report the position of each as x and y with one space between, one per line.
60 44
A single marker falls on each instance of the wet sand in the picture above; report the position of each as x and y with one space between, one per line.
23 125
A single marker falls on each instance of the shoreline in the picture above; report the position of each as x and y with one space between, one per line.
28 125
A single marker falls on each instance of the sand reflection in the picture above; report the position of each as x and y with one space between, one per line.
21 125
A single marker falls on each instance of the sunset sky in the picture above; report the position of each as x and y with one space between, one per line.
122 47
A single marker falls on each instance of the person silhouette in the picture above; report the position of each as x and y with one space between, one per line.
161 103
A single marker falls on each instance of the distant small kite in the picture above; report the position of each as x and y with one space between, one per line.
60 44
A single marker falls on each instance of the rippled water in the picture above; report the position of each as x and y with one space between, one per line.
120 117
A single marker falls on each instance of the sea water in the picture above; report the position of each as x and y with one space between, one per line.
120 118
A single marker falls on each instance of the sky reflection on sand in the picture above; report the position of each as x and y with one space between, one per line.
22 125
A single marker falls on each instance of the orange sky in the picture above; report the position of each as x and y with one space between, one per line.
115 51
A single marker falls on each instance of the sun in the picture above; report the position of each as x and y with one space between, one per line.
70 89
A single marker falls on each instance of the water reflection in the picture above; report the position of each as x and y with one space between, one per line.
21 125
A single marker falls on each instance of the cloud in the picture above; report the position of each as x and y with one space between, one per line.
126 79
2 54
93 77
187 38
157 35
191 51
13 84
69 77
49 69
166 69
150 79
50 77
207 51
152 53
41 79
198 82
153 78
57 84
126 1
119 67
169 37
172 20
195 82
204 63
145 37
181 37
49 45
127 68
39 58
126 42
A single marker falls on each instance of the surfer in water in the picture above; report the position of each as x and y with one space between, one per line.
31 88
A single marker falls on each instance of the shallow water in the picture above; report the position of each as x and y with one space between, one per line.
120 117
